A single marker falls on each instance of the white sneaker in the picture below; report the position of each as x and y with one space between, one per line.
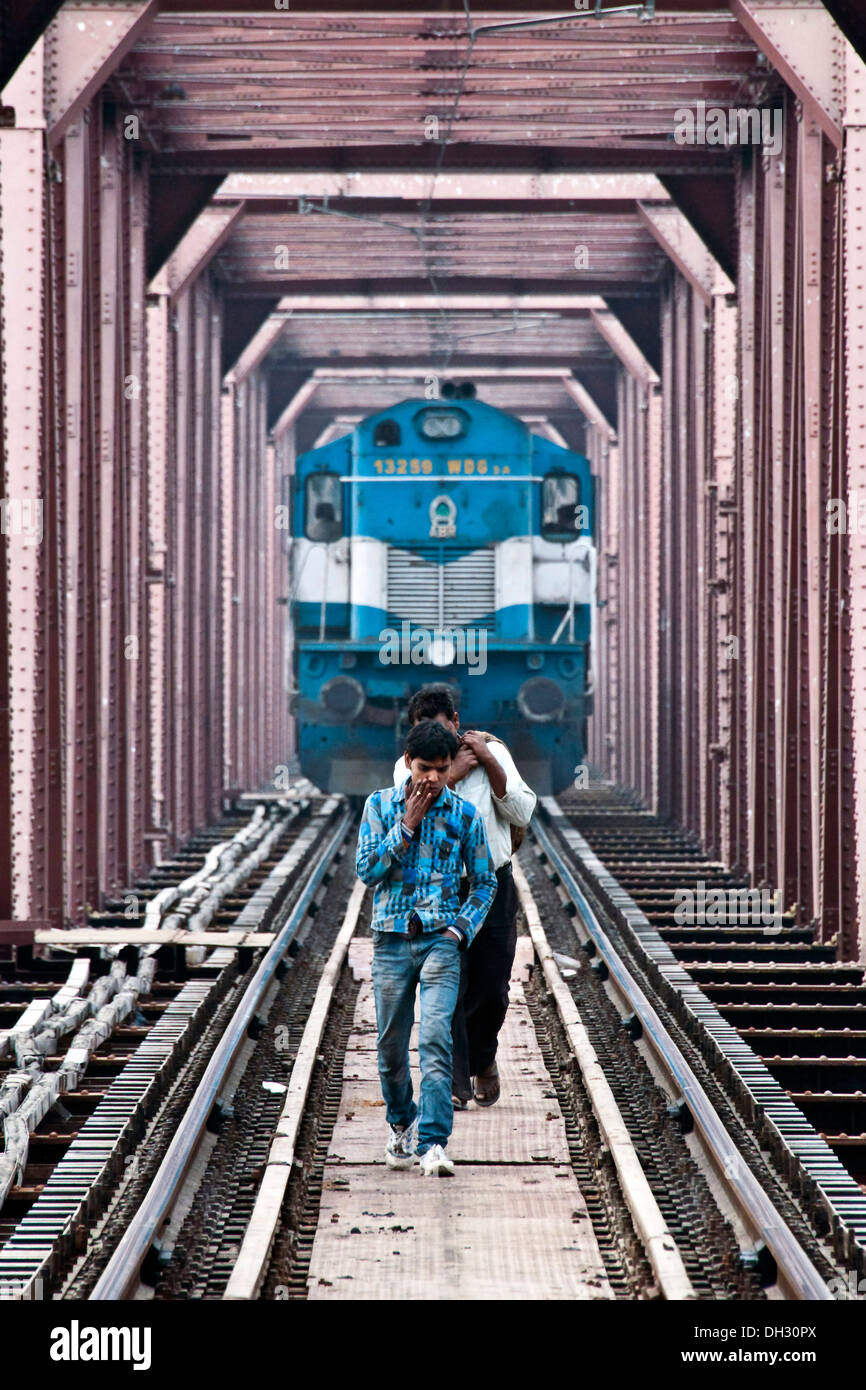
400 1149
435 1163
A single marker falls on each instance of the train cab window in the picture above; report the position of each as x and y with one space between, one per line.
560 497
386 432
324 507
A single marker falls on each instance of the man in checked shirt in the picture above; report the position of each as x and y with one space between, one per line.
484 774
413 842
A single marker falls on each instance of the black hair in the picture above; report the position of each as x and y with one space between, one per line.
430 740
429 701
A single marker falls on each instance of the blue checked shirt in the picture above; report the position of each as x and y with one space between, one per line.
422 874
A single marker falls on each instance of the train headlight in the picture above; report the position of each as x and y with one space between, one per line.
540 700
343 696
442 424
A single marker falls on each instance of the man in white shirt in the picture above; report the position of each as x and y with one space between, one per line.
484 774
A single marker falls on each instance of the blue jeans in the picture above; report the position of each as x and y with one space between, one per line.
399 964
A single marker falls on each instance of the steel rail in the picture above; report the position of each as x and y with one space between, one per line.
661 1247
122 1270
795 1270
250 1266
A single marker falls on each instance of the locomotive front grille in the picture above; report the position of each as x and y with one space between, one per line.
443 586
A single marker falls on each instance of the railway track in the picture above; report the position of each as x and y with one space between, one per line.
232 1068
251 1227
133 1015
770 1013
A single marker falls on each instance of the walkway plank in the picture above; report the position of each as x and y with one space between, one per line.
512 1224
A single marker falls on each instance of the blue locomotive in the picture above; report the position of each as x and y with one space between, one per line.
441 541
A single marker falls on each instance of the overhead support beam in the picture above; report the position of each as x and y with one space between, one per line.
85 43
806 47
379 374
527 187
269 333
342 424
199 245
431 303
588 405
625 347
692 258
257 348
572 387
299 400
330 376
545 427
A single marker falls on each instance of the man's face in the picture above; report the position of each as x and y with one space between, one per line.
432 771
452 725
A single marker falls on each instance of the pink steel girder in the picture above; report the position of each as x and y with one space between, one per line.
100 336
85 43
782 701
806 48
810 258
22 230
626 349
688 252
723 647
112 636
195 250
571 85
79 836
604 726
571 388
839 887
228 416
855 425
296 405
512 185
158 355
135 395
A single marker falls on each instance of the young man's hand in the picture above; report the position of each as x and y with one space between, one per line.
476 746
419 799
479 748
462 765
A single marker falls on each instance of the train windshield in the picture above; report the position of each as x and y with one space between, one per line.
559 502
324 510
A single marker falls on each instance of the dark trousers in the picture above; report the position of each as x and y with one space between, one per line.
482 1000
